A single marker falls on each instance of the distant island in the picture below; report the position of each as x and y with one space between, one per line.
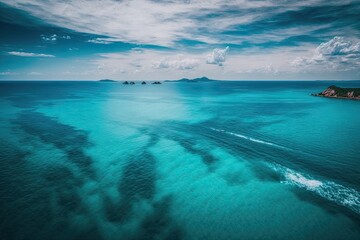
142 83
338 92
202 79
107 80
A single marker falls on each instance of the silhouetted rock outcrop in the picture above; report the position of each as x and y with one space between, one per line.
143 82
126 82
156 82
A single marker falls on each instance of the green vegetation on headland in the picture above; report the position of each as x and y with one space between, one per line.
338 92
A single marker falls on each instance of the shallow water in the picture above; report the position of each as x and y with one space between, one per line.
218 160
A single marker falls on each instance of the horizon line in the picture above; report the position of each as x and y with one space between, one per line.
224 80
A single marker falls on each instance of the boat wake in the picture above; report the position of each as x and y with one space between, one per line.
332 191
329 190
250 138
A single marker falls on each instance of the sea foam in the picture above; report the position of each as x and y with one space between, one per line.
330 190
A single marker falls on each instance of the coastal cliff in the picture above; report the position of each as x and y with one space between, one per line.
338 92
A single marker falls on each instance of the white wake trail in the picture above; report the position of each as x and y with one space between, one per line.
332 191
250 138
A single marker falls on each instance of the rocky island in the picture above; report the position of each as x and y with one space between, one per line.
338 92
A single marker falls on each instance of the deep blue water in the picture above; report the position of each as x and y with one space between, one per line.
218 160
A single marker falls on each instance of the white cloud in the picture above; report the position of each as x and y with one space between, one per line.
163 64
50 38
144 61
54 37
35 73
218 56
101 41
181 64
338 46
268 69
26 54
7 73
338 54
138 50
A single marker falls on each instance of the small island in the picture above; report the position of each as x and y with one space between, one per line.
107 80
127 83
187 80
338 92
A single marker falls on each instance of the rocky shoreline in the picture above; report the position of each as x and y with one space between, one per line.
338 92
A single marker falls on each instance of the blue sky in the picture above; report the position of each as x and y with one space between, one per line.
165 39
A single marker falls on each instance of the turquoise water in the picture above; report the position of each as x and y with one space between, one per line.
218 160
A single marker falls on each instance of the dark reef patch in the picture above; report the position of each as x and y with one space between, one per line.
139 177
65 137
235 178
178 133
37 203
159 224
22 199
78 157
63 184
137 183
206 157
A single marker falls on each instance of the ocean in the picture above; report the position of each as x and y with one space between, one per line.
210 160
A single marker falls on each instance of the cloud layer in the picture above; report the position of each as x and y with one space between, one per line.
27 54
166 23
160 39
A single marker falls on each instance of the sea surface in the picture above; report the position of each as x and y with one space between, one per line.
212 160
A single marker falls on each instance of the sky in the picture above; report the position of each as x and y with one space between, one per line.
169 39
